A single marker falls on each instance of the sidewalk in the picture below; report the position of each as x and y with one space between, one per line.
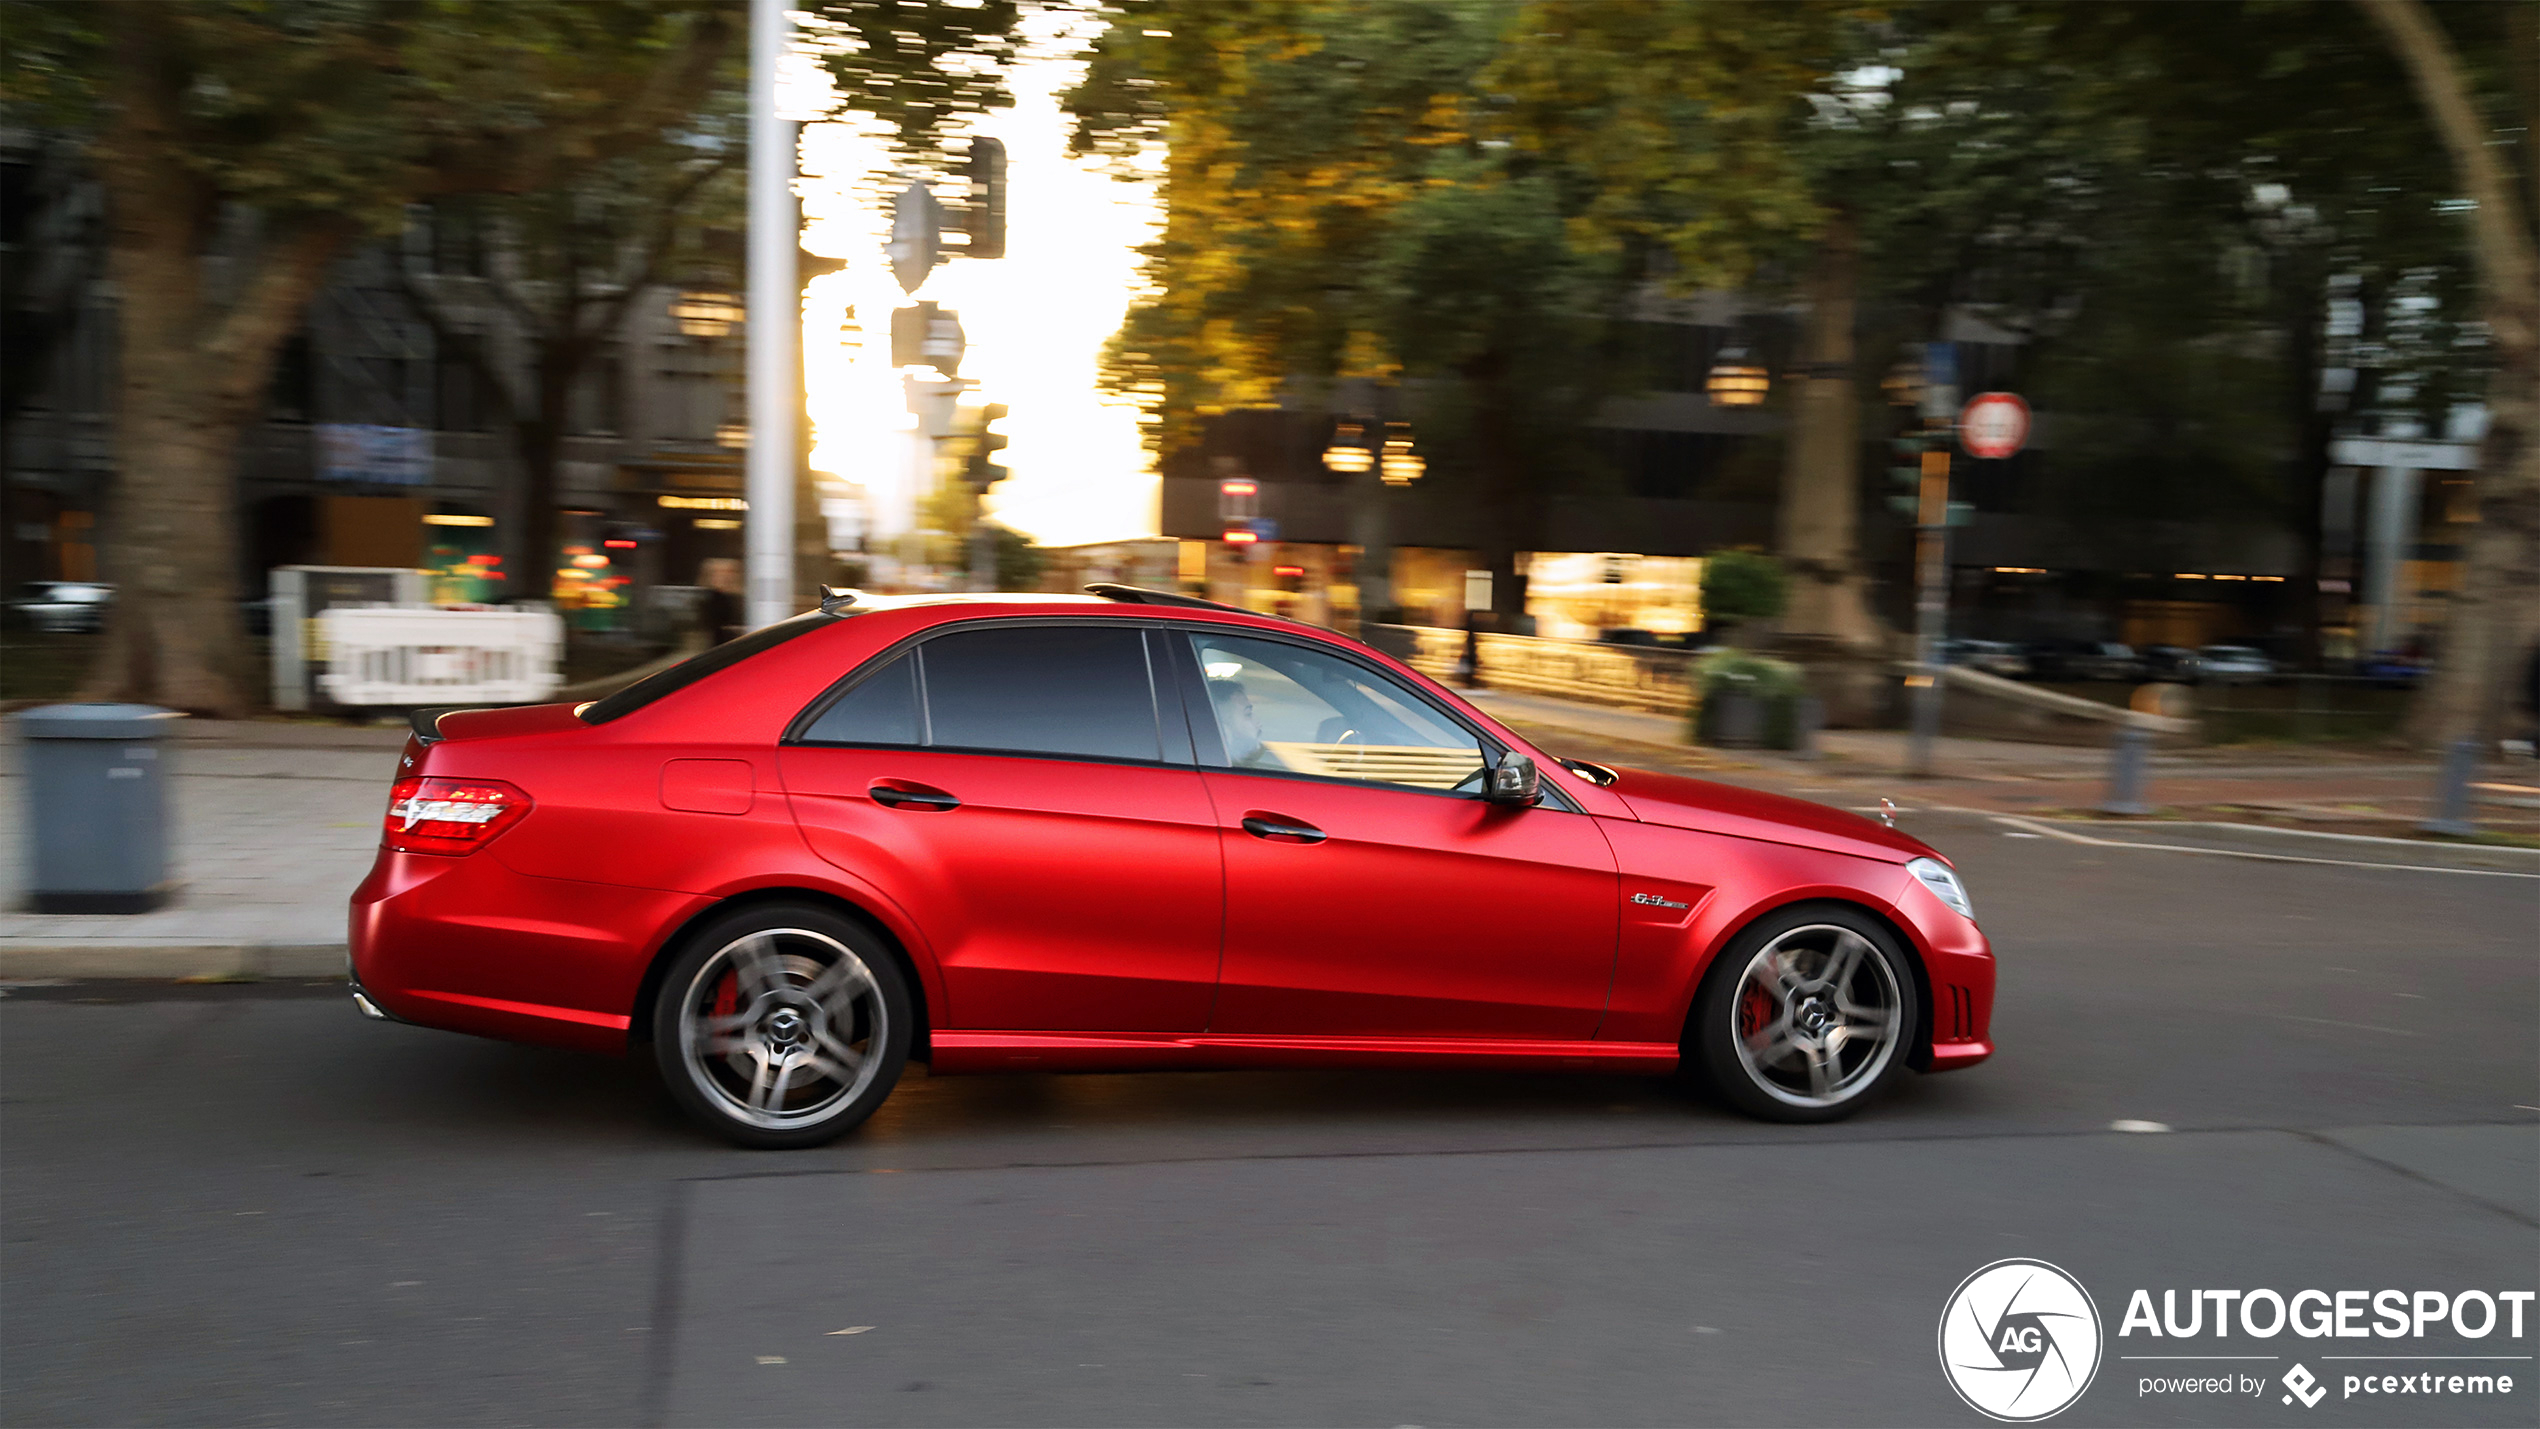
2325 789
274 825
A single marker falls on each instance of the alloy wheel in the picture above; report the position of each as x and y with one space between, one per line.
782 1028
1818 1016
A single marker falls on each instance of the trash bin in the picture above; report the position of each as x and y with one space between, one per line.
97 807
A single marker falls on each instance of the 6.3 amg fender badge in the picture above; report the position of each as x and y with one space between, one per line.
1652 900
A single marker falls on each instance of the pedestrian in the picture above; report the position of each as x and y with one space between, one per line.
720 614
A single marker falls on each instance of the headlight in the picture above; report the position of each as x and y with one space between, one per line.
1942 880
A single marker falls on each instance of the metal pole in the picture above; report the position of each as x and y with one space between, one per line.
775 327
2451 792
2127 760
1931 607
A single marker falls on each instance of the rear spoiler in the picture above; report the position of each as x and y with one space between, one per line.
427 722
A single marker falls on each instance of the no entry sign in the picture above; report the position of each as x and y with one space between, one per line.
1993 426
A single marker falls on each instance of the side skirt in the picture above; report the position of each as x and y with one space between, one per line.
963 1051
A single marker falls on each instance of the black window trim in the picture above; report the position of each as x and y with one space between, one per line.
1195 692
1173 743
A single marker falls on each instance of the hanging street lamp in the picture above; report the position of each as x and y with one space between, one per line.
1347 454
705 314
1736 381
1401 465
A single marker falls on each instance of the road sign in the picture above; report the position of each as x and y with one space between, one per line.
1993 426
917 228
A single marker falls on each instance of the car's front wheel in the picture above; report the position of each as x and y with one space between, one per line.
782 1025
1807 1016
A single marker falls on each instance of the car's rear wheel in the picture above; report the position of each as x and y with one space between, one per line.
1808 1015
782 1025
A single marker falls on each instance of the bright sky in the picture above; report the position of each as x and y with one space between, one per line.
1036 319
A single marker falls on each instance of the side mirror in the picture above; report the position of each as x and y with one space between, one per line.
1515 782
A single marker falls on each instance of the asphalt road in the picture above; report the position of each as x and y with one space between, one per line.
245 1205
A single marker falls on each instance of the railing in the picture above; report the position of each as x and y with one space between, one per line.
1631 676
390 655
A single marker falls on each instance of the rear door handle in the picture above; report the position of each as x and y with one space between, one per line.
920 797
1279 828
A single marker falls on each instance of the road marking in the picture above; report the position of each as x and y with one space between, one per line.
2326 1022
2068 836
2128 1124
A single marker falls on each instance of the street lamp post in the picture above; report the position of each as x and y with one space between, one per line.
775 317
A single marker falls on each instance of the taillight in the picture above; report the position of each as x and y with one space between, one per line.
432 815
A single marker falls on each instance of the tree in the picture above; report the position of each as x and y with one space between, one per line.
1723 137
563 264
275 133
2495 616
1333 214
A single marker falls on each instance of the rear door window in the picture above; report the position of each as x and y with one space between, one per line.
1070 690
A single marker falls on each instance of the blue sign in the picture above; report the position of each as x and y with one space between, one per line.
380 456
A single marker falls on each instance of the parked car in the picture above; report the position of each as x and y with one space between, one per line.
2082 660
1138 831
2398 669
1994 657
2234 665
2171 662
63 607
2104 660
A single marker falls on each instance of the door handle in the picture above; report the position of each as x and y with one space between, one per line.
1281 828
894 797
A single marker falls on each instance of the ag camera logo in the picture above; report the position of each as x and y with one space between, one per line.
2019 1340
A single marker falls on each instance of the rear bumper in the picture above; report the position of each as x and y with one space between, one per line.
465 944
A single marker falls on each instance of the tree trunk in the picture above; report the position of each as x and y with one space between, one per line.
193 375
540 438
1821 475
2495 615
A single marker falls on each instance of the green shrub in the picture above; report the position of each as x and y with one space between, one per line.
1742 585
1775 684
1747 674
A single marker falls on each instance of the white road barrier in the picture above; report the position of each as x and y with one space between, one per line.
387 655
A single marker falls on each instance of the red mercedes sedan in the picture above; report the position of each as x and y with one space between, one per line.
1123 831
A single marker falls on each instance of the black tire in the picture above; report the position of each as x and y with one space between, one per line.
1768 1043
774 992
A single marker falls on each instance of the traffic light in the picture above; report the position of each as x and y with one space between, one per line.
980 468
927 335
1906 473
917 227
983 220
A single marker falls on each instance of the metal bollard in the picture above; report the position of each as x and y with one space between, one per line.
2129 759
2451 792
1806 719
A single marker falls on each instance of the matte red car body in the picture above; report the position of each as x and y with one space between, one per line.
1088 915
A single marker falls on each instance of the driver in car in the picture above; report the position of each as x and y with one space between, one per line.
1239 724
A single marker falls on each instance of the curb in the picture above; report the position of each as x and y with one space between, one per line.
204 962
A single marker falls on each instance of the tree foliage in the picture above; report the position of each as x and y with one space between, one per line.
276 132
